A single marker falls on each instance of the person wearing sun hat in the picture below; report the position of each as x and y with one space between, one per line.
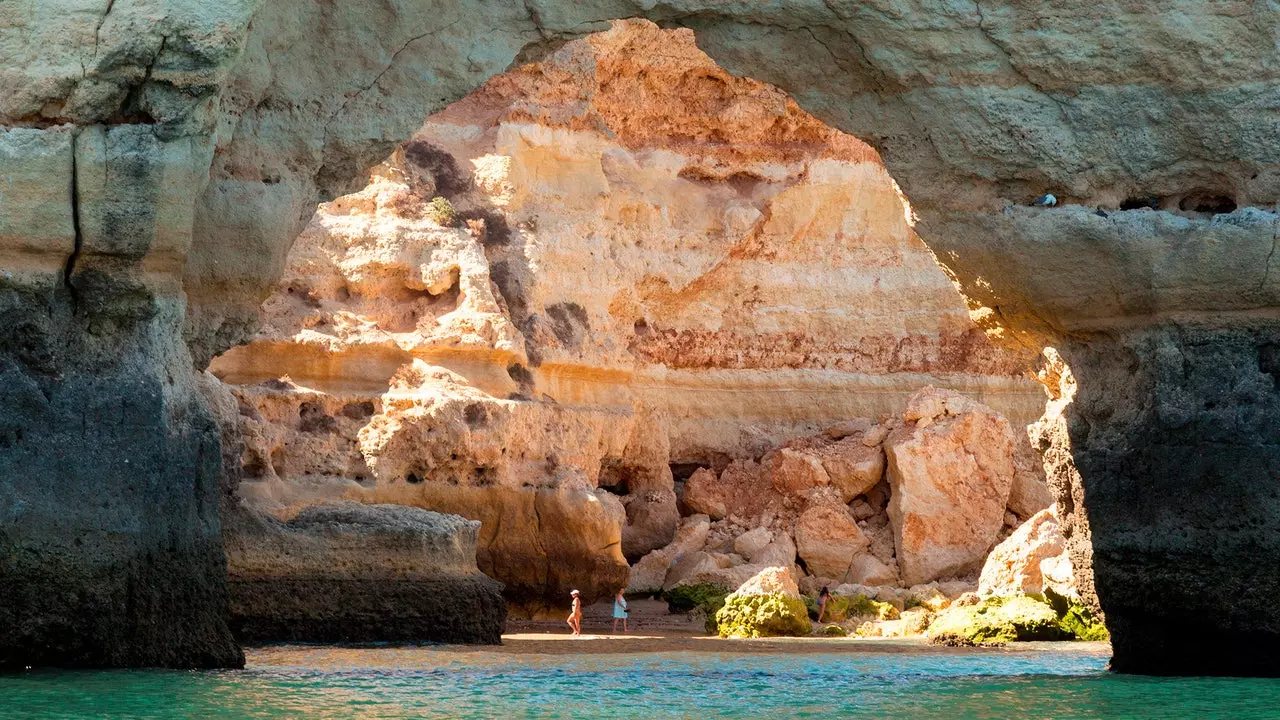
575 616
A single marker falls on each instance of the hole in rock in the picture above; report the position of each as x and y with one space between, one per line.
720 285
1210 203
358 411
313 419
615 477
475 414
1151 203
520 374
254 467
683 471
490 226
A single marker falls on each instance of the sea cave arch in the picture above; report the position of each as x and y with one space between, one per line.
233 123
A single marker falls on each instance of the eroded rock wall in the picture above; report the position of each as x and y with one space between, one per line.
975 109
651 263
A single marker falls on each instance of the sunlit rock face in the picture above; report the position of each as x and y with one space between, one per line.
976 110
652 263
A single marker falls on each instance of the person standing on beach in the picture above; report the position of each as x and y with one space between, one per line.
575 615
823 597
620 611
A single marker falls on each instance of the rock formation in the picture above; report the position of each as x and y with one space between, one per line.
580 276
766 605
927 520
361 573
223 125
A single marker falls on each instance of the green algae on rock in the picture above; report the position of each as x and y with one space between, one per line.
750 616
1000 620
767 605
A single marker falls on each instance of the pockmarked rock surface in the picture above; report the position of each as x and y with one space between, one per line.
1151 277
353 572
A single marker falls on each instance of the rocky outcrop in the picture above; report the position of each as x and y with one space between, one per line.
771 519
361 573
1151 276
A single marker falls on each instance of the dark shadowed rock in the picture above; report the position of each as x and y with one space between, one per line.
361 573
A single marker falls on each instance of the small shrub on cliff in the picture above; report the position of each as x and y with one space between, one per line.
440 211
751 616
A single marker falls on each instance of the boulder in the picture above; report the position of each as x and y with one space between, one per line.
793 471
704 494
742 490
766 605
649 575
1014 566
752 541
652 518
852 467
1029 493
828 539
730 578
780 552
950 474
691 564
867 570
997 621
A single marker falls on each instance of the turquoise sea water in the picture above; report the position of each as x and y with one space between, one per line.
325 682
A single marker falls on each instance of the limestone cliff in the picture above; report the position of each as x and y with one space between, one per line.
643 262
215 128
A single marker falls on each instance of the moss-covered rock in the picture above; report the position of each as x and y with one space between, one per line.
1076 618
707 597
832 631
861 606
749 616
996 621
842 607
1084 625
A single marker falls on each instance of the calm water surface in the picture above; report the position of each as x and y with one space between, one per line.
326 682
